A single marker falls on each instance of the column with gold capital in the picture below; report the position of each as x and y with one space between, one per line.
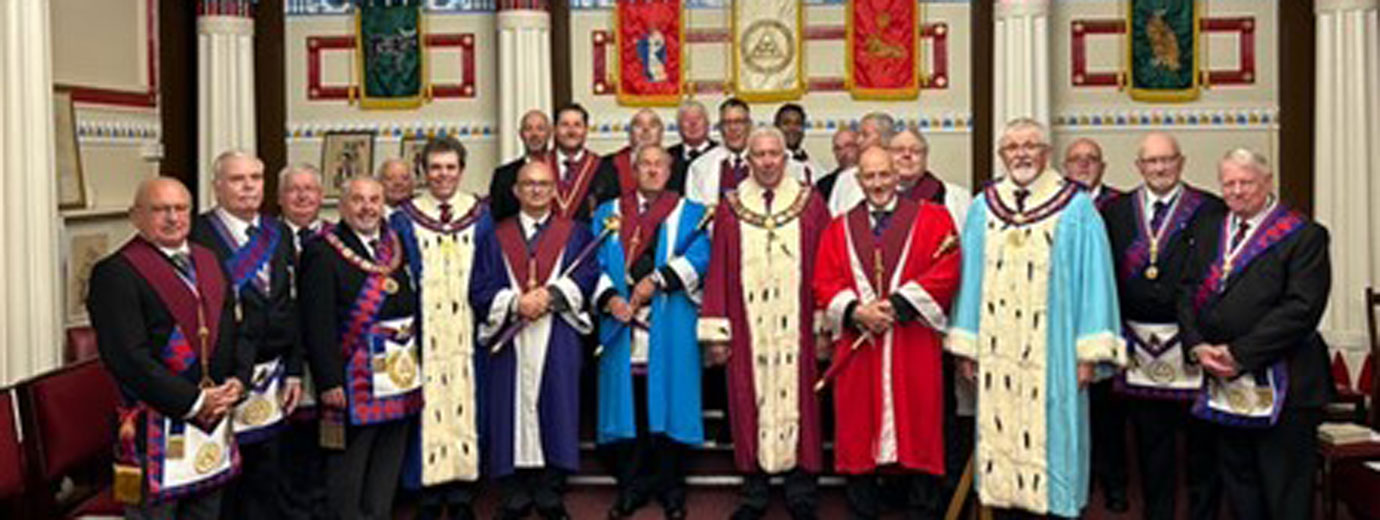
225 84
1021 84
524 68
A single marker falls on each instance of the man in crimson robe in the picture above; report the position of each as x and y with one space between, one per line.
886 273
527 271
758 317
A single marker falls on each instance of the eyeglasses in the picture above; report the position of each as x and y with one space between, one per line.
1011 148
528 185
911 150
1083 161
1163 162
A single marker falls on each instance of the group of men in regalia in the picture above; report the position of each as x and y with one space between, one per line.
283 367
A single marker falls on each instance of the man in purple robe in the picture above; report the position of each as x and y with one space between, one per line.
526 274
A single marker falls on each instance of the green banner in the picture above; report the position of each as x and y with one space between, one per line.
391 55
1164 50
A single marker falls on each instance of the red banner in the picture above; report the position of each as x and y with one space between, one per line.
883 49
649 40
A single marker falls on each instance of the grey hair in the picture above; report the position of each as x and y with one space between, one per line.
348 188
633 120
388 162
637 152
1021 124
884 122
912 130
1249 159
767 131
218 165
689 105
294 169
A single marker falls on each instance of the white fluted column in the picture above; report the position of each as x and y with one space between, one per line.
1021 86
225 86
1347 159
30 319
524 68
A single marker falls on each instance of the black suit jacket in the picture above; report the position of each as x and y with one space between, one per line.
1269 311
680 166
504 204
825 185
269 321
326 292
1141 299
132 327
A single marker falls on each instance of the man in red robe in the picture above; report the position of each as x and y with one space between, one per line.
886 273
758 317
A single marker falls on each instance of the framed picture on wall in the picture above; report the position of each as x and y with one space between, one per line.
83 253
412 153
67 160
345 155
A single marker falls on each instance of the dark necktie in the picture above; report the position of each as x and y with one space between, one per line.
1021 195
880 220
1242 229
302 235
767 197
1157 218
536 234
252 231
374 248
445 213
643 207
693 154
183 262
260 277
570 165
739 172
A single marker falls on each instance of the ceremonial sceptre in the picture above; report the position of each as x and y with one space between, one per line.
512 329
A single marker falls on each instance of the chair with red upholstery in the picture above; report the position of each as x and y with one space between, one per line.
12 467
69 416
81 345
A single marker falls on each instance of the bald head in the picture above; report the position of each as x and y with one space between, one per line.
1083 162
535 132
845 147
162 211
1160 163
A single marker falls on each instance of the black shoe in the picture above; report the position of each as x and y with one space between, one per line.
748 513
674 512
433 512
461 512
802 513
512 514
555 513
1116 501
625 506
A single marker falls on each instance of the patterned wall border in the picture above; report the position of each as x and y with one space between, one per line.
316 91
1235 118
396 130
118 130
1243 27
936 76
934 123
339 7
723 4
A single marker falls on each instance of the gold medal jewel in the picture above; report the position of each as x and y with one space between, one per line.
1265 396
1152 272
1238 401
257 411
402 369
207 458
390 286
1160 371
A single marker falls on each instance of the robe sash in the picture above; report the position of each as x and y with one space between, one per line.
530 268
892 241
245 261
1137 257
1277 226
570 194
637 232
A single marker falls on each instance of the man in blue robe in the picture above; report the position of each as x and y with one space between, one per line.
526 275
649 369
1035 316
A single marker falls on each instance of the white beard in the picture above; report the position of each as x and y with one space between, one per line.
1024 175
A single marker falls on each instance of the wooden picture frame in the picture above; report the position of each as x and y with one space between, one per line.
67 157
345 155
410 150
84 250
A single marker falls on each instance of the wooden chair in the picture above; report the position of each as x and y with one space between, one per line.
1346 477
68 415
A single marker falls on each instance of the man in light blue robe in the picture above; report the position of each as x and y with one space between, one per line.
649 367
1035 321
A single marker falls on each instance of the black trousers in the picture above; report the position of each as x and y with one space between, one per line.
1157 425
543 488
303 464
203 506
453 496
1108 411
652 465
363 478
258 491
920 495
1268 473
802 492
